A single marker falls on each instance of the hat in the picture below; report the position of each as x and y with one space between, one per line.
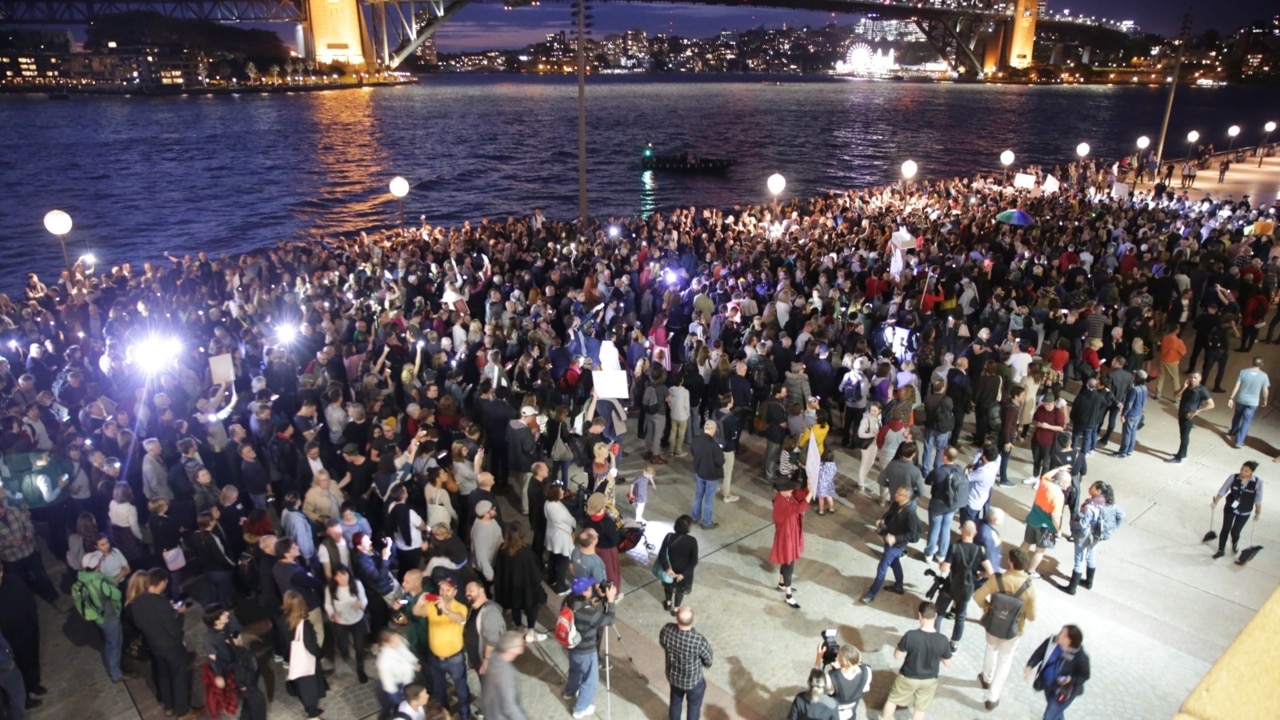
528 411
350 449
483 508
1141 376
595 504
581 585
447 581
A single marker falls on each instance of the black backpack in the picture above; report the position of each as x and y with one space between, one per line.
1218 338
944 417
1004 611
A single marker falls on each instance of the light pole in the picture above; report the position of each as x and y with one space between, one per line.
1262 149
1232 132
1143 143
1006 159
1192 137
399 188
1082 150
58 222
909 169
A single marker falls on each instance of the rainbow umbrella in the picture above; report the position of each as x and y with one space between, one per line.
1015 217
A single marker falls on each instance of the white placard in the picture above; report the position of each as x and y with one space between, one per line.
222 369
610 384
1024 180
1051 184
1120 191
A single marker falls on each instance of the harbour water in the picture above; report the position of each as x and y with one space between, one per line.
141 176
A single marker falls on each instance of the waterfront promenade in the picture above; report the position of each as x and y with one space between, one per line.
1162 610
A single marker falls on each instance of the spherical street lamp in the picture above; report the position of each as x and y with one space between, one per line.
909 169
1082 150
1006 159
1192 137
1144 142
776 184
58 222
399 189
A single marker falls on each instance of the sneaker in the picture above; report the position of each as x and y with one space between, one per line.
954 646
711 526
792 602
982 680
896 590
731 498
567 696
1174 460
681 454
618 599
867 599
1031 480
1008 483
1218 554
587 711
1033 575
780 587
534 637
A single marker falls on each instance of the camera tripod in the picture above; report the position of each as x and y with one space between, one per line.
608 667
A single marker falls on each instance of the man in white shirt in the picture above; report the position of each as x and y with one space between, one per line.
1019 363
414 705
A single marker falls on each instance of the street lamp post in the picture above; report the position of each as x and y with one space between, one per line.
58 222
1232 132
1143 143
1006 159
399 189
909 169
1262 149
776 184
1082 150
1192 137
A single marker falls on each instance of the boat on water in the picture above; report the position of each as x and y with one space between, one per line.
685 162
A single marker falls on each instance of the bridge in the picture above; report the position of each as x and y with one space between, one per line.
973 36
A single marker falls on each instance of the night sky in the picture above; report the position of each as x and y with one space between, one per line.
484 26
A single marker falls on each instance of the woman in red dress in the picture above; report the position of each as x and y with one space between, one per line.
789 506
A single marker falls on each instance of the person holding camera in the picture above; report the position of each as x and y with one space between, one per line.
848 677
1059 668
593 607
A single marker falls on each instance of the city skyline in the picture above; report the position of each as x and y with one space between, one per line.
485 26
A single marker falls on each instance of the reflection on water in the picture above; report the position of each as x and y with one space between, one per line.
145 176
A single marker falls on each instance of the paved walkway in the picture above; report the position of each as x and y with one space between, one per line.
1262 185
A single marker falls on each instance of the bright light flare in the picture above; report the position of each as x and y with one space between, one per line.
155 353
286 333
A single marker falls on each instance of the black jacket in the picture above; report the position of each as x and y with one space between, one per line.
159 623
1088 410
903 522
1075 667
708 458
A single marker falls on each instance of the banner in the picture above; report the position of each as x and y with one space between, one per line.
1051 184
223 370
1120 191
1024 180
610 384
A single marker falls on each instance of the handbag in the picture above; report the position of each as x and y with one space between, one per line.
659 571
560 451
174 558
437 512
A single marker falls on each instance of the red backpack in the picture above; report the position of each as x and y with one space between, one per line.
566 630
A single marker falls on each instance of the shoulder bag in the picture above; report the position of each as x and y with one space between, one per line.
659 569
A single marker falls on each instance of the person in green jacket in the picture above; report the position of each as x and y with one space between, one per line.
98 599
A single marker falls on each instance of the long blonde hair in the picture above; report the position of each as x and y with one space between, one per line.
137 586
295 608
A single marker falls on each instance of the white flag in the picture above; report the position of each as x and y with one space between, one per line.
812 464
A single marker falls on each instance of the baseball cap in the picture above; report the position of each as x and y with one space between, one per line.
581 585
528 410
350 449
483 507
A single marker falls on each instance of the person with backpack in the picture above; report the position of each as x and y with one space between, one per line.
939 422
1098 519
950 491
963 562
653 401
1009 601
1216 348
586 612
98 600
853 389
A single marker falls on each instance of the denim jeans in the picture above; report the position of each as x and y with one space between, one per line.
220 586
935 443
584 678
451 667
1085 557
939 535
772 452
1241 419
890 559
1056 710
704 496
1004 464
1129 435
113 644
1085 439
693 696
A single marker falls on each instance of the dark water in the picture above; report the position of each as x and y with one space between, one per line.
145 176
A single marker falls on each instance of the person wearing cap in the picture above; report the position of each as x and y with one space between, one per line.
486 538
593 612
102 606
446 659
522 451
1135 403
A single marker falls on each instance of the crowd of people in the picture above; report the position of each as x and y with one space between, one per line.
334 429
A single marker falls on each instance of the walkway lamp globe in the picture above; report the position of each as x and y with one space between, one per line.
1082 150
909 169
1192 137
777 184
1144 142
399 188
1006 159
1262 149
58 222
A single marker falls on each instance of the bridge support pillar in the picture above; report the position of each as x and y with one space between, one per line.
1022 36
335 33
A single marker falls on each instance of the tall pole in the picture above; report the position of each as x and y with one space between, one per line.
582 111
1173 86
